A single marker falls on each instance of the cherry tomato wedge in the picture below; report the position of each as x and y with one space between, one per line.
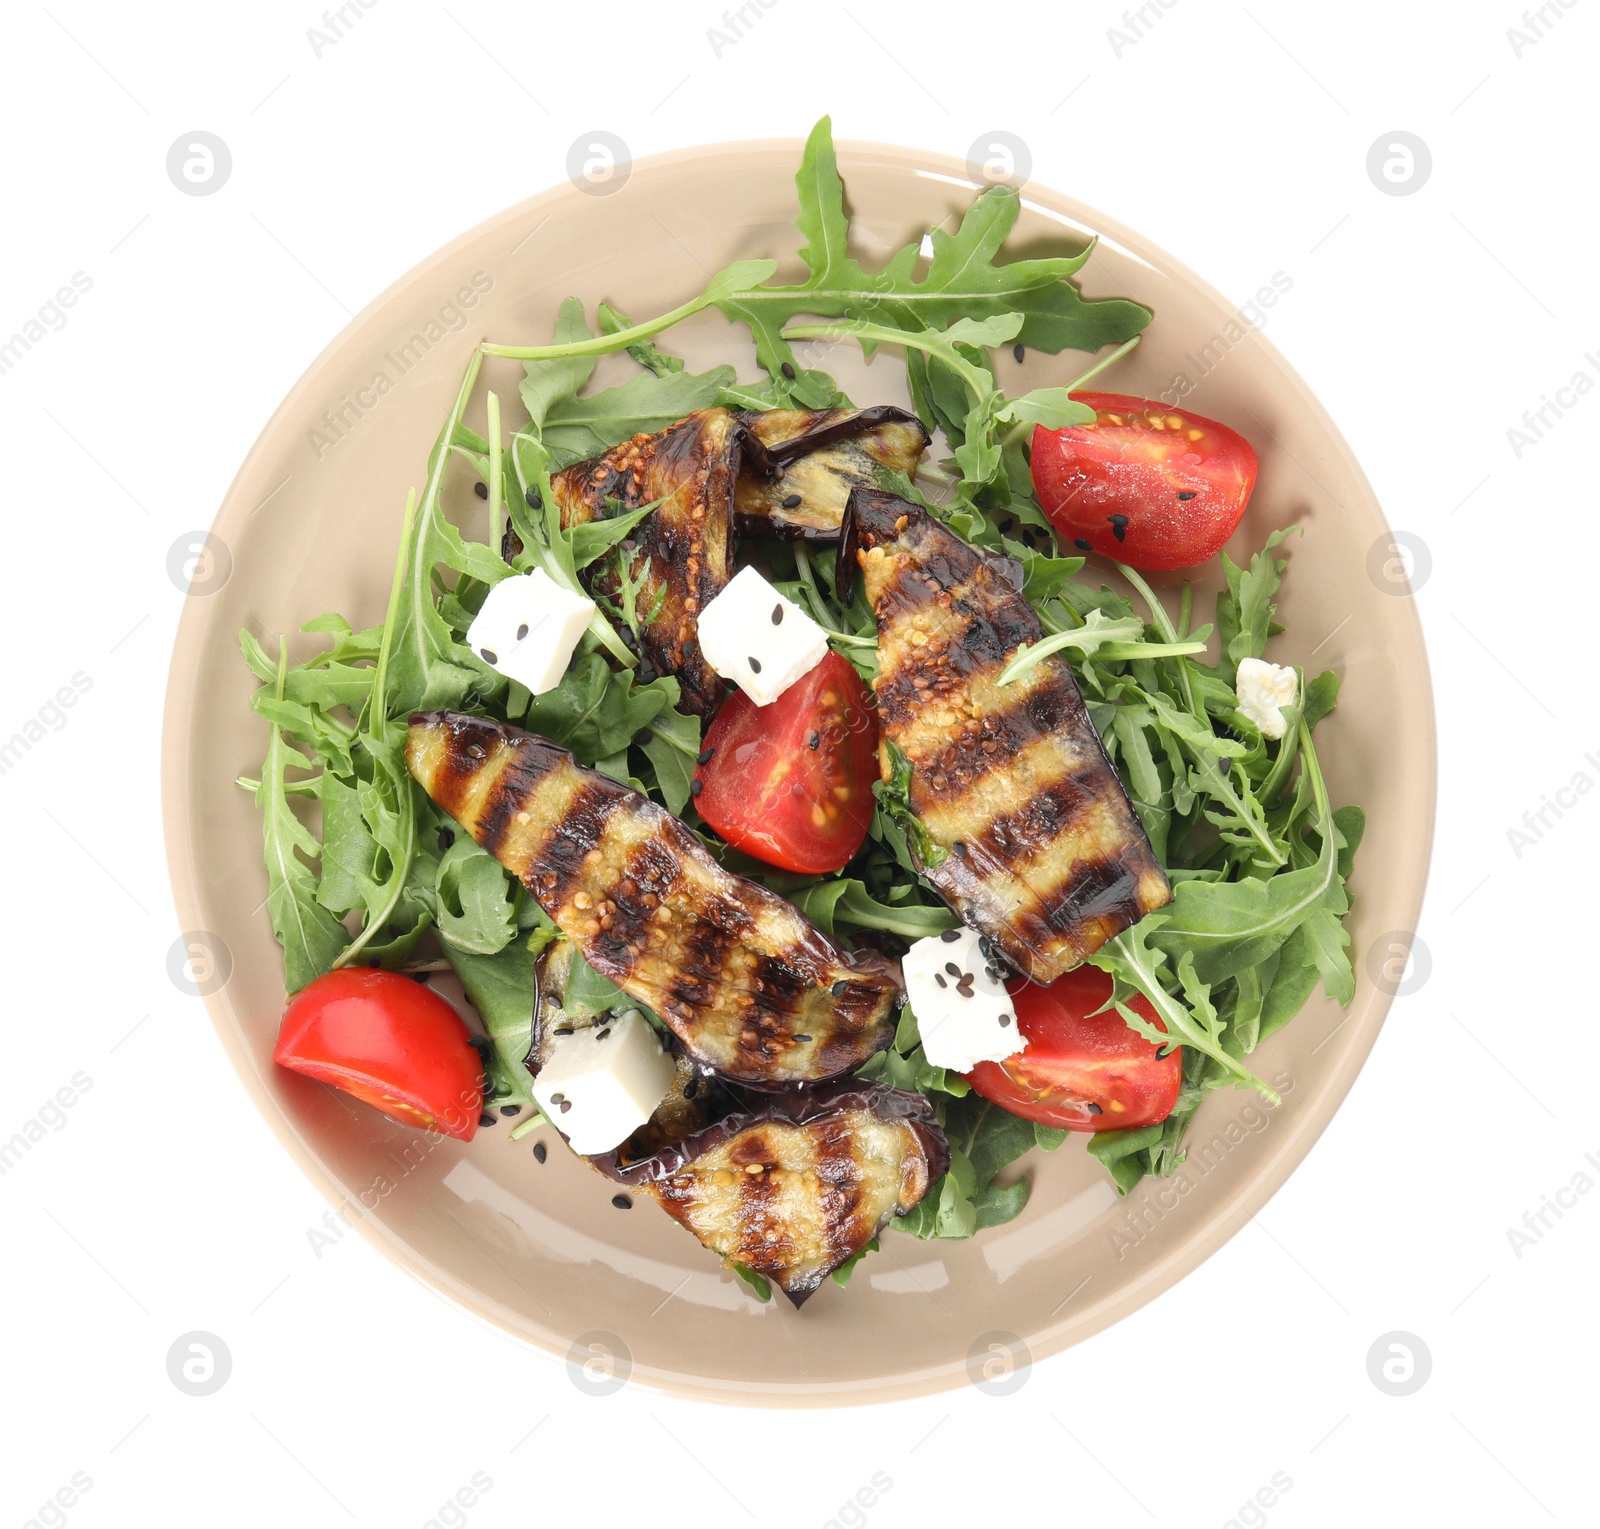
791 783
1147 485
1081 1070
389 1041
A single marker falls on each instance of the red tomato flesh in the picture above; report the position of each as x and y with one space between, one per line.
1081 1070
1147 485
390 1042
791 783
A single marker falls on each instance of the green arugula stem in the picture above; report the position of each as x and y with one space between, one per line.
1163 623
1175 1015
1030 654
737 281
306 787
1024 427
497 515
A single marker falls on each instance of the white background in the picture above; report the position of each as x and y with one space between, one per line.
1235 138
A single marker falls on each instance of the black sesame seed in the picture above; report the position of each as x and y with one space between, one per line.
1120 532
1187 493
558 1098
540 1151
696 787
522 631
704 756
563 1030
1019 350
791 501
964 989
950 936
952 968
939 978
958 849
800 1039
755 665
481 490
1083 544
840 988
1094 1109
622 1202
486 1121
566 1104
1005 1021
1163 1053
489 655
604 1033
508 1110
815 741
419 976
788 370
777 615
535 499
642 737
447 837
1117 520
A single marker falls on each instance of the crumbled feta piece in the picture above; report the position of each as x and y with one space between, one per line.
1264 690
602 1082
527 629
752 635
964 1013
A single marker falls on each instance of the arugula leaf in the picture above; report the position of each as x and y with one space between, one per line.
894 804
984 1139
502 988
962 280
311 937
844 903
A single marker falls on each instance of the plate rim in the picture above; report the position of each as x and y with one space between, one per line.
1247 1198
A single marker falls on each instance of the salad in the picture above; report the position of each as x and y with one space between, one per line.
815 828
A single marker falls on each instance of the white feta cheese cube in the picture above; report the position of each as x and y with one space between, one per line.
527 629
1264 690
964 1014
752 635
602 1082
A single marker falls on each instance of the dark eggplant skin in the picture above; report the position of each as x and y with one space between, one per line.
684 550
1044 852
818 457
796 1186
750 986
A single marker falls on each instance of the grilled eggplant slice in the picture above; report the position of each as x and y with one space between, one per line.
692 1102
794 1188
1045 854
682 552
802 464
751 988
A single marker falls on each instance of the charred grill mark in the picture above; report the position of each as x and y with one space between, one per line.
727 963
691 467
1103 889
576 835
512 792
1052 859
840 1192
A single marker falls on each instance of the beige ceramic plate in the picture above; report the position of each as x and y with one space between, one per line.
311 525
